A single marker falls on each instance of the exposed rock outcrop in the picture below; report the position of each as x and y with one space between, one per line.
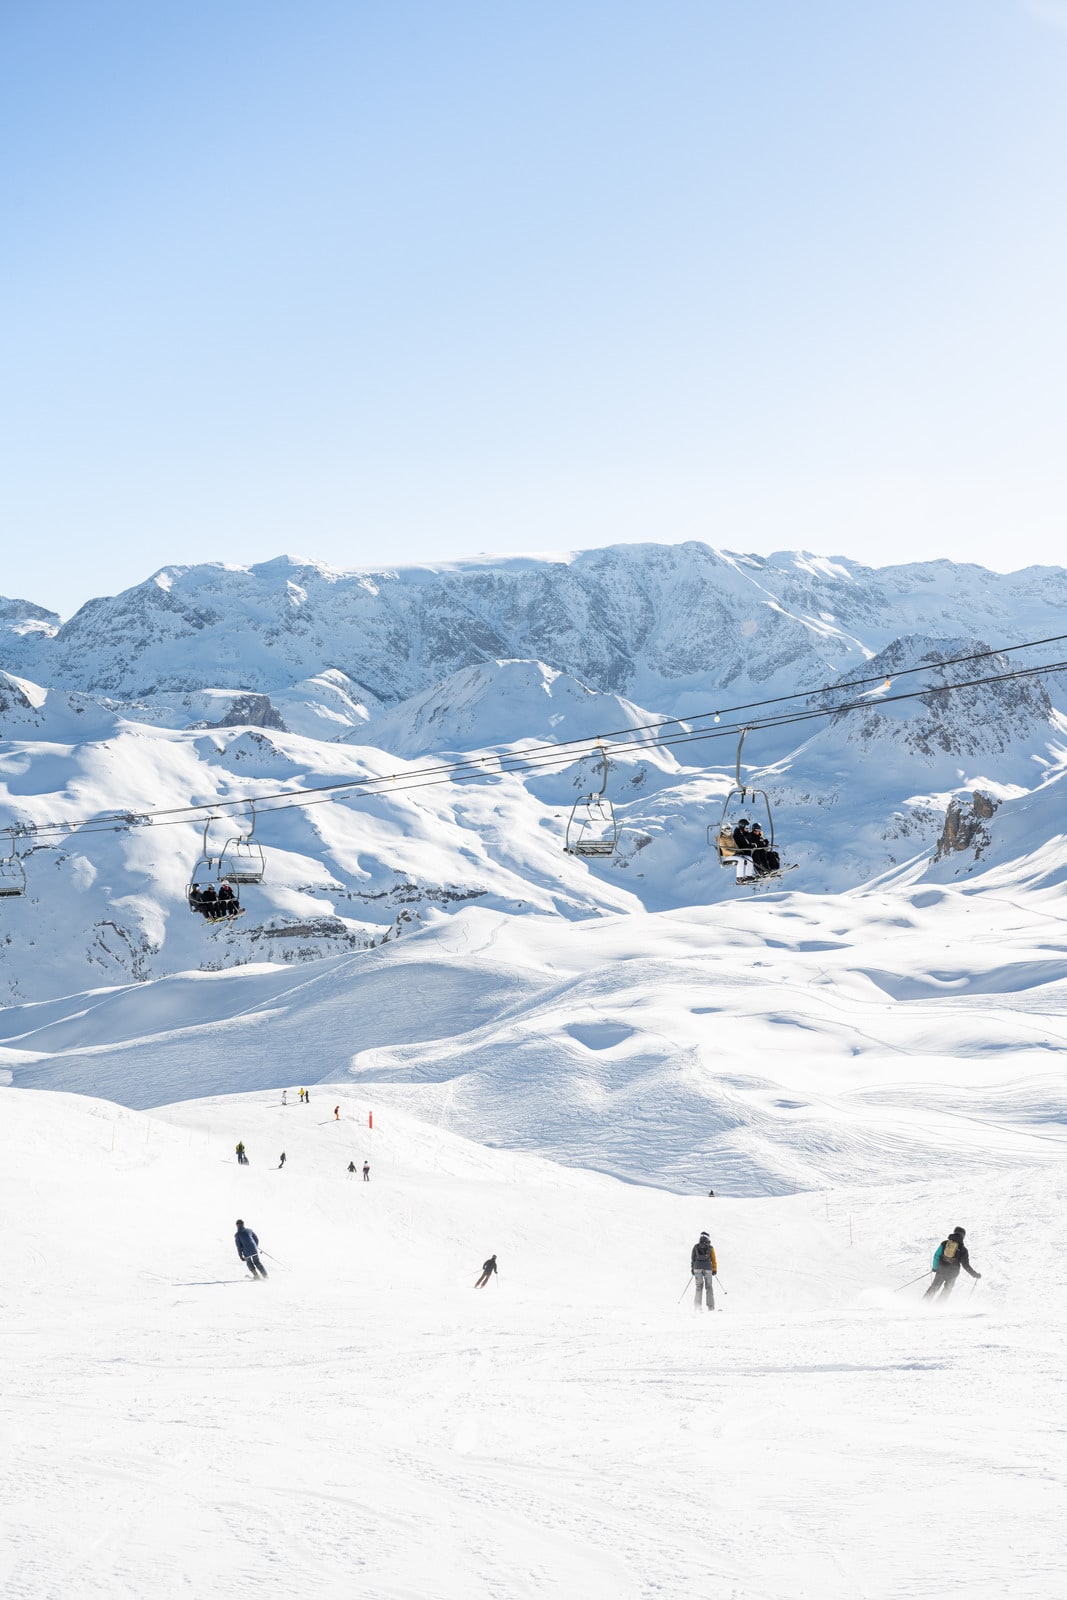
965 825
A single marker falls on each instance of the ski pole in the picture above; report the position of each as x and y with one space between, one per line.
722 1285
910 1281
689 1285
277 1263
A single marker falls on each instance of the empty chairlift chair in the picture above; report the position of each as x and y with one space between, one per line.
12 872
592 828
242 860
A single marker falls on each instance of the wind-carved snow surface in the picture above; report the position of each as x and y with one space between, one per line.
562 1056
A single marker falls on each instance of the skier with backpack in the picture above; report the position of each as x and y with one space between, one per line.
950 1255
704 1267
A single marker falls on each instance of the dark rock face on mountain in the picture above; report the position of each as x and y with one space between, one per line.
965 825
13 612
249 711
967 718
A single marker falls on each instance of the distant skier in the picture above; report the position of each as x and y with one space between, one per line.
366 1172
302 1094
284 1093
337 1113
281 1163
248 1250
950 1255
704 1267
242 1159
711 1194
352 1168
488 1268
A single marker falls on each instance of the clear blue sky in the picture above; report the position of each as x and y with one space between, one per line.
392 282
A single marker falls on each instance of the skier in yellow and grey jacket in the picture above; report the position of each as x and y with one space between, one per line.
704 1266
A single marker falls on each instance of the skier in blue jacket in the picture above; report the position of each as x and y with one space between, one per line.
248 1250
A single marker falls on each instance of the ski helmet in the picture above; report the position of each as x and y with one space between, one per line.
705 1236
958 1233
239 1223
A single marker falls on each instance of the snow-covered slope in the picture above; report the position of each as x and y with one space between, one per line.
365 1420
562 1056
773 1045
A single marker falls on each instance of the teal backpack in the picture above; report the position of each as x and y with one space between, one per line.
947 1250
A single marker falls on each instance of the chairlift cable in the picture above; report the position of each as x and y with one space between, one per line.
545 755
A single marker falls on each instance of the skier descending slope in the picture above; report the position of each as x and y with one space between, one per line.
950 1255
488 1268
704 1267
248 1250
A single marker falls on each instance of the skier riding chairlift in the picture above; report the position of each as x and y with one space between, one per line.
211 892
745 846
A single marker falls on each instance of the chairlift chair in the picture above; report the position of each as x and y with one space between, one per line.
741 798
12 872
208 873
242 860
592 827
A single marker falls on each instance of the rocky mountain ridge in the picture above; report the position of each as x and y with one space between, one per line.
664 625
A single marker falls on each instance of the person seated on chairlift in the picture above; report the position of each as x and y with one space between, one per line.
743 844
227 900
209 902
743 835
196 898
764 859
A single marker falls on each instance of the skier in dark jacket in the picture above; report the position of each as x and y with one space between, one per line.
950 1255
764 859
248 1250
704 1267
488 1268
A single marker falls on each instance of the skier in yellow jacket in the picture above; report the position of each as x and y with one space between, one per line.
704 1266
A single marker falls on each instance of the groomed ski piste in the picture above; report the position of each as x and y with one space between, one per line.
366 1421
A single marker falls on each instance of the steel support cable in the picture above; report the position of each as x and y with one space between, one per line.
541 757
555 751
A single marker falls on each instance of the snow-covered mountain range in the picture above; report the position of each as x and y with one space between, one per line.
660 624
453 941
210 684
